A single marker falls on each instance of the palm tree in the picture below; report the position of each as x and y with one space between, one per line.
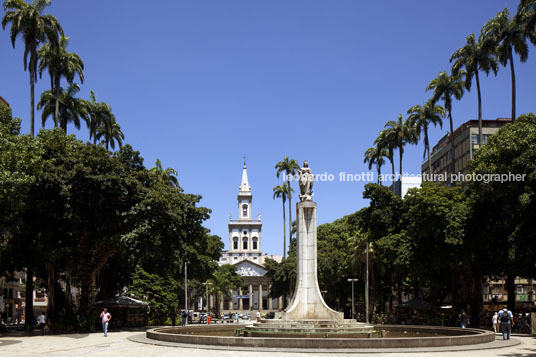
421 117
98 112
375 156
167 176
289 166
445 87
281 191
60 63
35 28
110 131
474 57
400 133
507 36
386 140
526 16
71 108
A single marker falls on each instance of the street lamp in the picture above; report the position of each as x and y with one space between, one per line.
207 284
353 306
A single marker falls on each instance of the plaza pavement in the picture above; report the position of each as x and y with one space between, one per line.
120 344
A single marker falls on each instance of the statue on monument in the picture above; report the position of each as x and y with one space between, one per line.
306 182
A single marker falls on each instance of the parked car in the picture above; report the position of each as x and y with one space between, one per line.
203 318
270 315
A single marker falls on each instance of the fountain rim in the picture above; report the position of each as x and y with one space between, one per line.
467 336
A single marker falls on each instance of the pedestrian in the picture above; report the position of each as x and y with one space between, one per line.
184 316
209 318
42 321
105 318
506 319
463 318
495 321
173 317
258 315
236 317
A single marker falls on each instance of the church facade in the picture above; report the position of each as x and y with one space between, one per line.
246 255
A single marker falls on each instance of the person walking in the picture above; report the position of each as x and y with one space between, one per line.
463 318
495 322
209 318
105 318
236 317
173 317
42 322
184 316
258 315
506 319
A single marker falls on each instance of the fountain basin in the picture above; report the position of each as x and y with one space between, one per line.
421 336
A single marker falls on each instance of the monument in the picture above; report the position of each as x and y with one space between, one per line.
307 314
307 302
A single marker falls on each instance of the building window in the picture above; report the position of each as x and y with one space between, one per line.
244 210
235 243
255 243
244 243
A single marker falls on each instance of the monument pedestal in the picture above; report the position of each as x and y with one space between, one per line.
307 302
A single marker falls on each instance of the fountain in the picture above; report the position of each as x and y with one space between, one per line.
308 322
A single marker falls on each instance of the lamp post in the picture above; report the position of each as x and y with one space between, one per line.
353 305
367 287
207 284
186 289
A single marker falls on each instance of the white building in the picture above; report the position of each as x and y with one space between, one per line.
245 234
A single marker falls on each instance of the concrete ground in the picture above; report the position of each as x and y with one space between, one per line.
120 344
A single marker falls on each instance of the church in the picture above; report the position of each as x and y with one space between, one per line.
245 254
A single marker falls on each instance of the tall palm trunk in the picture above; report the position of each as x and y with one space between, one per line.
426 143
284 232
378 167
392 159
32 101
479 109
512 72
452 151
400 152
56 113
51 293
289 215
68 295
28 321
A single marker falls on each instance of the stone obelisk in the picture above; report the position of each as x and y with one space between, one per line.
307 302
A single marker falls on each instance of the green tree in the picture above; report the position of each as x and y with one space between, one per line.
98 113
60 63
474 57
71 108
421 117
399 133
526 16
386 141
505 212
110 132
224 280
27 20
289 167
281 191
161 293
506 36
375 156
446 87
167 176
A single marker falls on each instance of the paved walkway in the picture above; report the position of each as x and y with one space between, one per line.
118 344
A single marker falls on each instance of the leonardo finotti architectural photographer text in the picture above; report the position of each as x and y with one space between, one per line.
370 176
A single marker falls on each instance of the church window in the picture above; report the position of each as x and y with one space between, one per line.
244 243
235 243
255 243
244 210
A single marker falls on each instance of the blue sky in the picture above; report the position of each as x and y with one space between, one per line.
199 84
